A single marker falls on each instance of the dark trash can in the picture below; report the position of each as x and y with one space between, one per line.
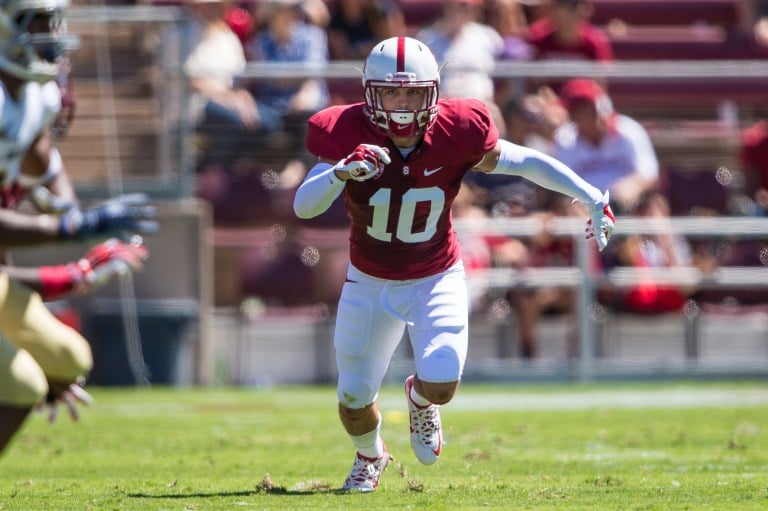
165 328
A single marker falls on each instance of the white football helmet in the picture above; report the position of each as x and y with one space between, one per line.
401 62
33 38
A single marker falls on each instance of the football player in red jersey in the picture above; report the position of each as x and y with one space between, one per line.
41 358
398 160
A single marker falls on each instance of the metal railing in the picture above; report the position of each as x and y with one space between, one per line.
586 281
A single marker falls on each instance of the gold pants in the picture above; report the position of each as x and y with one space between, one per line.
35 346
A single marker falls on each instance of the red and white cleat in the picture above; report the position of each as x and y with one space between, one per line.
426 431
365 473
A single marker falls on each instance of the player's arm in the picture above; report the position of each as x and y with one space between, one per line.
43 168
515 160
102 263
325 180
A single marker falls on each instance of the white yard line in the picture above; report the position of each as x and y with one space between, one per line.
589 399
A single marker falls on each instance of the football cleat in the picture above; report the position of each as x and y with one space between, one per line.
365 473
426 431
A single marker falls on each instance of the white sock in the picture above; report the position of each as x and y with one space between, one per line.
370 444
418 399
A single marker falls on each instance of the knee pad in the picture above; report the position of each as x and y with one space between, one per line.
22 381
355 392
440 365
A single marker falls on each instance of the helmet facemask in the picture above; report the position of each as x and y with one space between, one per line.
401 122
35 40
401 62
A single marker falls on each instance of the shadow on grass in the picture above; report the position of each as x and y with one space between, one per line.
250 493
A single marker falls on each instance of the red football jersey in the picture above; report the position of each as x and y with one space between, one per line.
401 221
593 44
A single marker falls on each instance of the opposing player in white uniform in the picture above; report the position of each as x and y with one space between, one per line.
40 357
398 160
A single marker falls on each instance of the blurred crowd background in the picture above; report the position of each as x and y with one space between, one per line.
207 100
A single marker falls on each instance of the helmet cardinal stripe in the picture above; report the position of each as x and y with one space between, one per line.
400 54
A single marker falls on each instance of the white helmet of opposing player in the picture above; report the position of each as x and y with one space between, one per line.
33 38
401 62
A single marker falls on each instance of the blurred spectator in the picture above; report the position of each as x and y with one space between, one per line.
222 113
285 37
754 20
508 18
664 250
315 12
240 19
604 147
530 121
753 156
533 120
466 48
356 25
545 251
475 247
565 33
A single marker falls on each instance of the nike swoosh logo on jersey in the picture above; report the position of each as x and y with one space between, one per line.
429 172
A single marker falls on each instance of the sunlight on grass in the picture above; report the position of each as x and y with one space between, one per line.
283 449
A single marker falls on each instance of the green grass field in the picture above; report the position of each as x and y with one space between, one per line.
693 446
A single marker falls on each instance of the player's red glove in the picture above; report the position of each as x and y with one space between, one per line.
601 223
366 162
105 260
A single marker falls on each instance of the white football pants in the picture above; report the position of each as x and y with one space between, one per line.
371 320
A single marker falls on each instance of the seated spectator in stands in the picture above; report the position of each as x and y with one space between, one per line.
356 25
546 250
753 155
285 37
565 33
605 147
647 251
240 19
754 21
530 121
508 18
466 48
533 120
222 113
475 248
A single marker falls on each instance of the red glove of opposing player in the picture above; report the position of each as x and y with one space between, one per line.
100 264
365 162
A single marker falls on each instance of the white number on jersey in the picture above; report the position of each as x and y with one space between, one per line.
381 203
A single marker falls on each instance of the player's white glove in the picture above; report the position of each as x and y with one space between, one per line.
365 162
104 261
601 223
70 395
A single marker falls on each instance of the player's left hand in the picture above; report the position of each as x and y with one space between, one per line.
601 223
70 395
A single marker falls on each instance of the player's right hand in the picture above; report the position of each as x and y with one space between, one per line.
120 216
366 162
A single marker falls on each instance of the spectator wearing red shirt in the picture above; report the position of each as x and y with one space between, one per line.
565 33
753 155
